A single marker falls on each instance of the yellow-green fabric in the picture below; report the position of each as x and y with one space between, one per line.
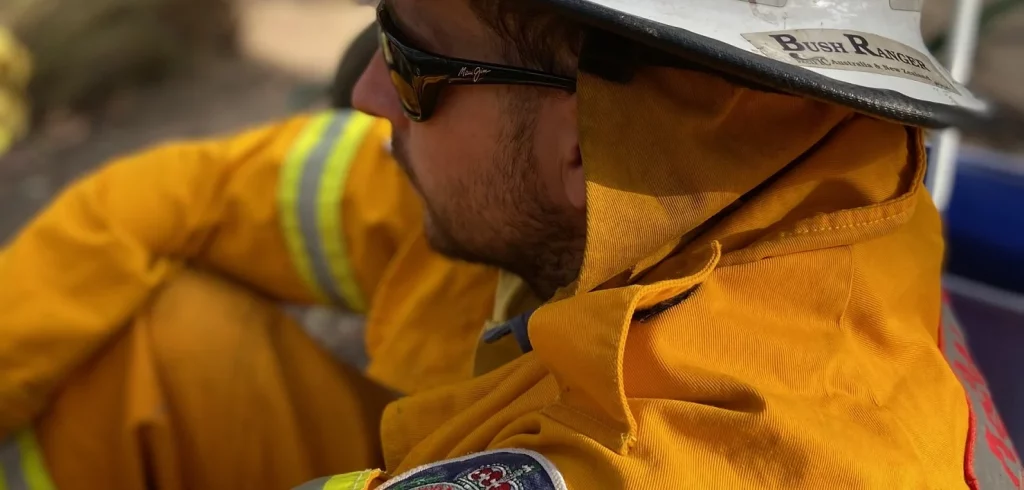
360 480
314 179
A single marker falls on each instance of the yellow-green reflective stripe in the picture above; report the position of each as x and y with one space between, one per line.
312 189
290 194
348 481
331 191
21 464
313 175
32 463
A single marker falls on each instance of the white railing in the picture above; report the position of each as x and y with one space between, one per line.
963 43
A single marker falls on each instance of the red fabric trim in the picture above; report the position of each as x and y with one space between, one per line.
972 424
972 434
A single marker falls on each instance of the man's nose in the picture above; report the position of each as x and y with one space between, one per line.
374 93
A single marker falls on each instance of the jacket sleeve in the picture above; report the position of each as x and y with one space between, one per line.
239 206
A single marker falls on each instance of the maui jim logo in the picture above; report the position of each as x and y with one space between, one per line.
475 73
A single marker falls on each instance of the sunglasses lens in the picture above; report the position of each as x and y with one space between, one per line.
403 73
410 101
398 68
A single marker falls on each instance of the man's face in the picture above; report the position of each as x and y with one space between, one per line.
498 167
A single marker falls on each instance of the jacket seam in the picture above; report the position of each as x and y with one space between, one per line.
560 404
844 227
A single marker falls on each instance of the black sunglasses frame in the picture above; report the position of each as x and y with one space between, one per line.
425 73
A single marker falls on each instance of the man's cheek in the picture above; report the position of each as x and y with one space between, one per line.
434 166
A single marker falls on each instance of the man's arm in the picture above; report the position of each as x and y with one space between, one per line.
239 206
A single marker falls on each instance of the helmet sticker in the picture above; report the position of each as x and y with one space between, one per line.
839 49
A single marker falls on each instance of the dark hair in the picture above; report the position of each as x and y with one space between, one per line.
533 35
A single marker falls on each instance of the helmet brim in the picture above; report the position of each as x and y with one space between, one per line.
907 102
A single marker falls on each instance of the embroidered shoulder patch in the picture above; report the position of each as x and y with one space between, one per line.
503 469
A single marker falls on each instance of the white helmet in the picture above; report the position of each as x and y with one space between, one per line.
865 54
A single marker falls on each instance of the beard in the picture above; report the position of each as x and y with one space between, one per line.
503 216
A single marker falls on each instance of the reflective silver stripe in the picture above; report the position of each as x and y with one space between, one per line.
10 462
309 191
995 463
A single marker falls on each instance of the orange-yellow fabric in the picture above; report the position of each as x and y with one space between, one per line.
75 276
210 386
427 319
78 272
802 256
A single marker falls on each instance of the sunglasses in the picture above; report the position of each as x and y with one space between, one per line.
418 76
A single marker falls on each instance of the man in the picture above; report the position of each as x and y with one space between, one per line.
708 260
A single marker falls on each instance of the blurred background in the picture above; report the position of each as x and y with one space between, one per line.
113 76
